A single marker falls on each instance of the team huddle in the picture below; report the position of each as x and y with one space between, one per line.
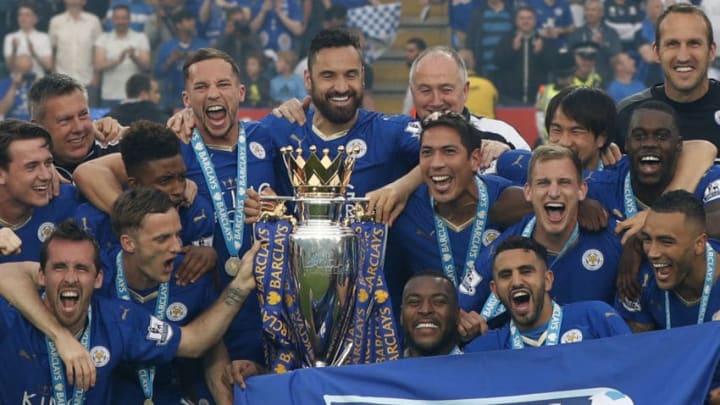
144 264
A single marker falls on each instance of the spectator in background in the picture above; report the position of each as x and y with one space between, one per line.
624 84
585 59
143 97
286 84
459 14
257 86
482 94
314 17
172 55
488 24
523 60
413 47
278 23
15 88
160 28
625 17
28 41
238 41
648 67
210 18
562 74
554 21
119 54
141 11
335 18
73 34
596 31
368 101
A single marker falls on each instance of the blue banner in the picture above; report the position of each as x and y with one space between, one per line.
664 367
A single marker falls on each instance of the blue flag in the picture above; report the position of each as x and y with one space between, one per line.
663 367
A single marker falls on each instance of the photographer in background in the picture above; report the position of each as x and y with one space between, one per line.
14 89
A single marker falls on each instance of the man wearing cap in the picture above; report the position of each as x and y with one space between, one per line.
563 74
585 56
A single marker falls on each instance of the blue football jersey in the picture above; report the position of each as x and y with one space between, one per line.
41 224
244 337
650 308
182 377
587 271
120 332
198 224
581 321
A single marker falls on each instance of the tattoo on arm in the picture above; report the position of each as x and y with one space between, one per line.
234 296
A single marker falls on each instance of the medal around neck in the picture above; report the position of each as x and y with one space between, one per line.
323 250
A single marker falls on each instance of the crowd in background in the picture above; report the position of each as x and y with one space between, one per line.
519 52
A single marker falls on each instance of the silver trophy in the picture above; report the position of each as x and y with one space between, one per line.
323 252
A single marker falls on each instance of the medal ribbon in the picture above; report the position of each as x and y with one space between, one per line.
146 375
232 233
57 371
553 329
631 207
473 250
493 306
707 288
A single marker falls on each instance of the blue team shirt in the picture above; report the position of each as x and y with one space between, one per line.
650 308
198 224
389 147
587 271
273 34
413 233
608 186
581 321
42 223
120 332
557 15
185 303
244 337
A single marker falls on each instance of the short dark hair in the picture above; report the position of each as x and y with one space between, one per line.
28 4
419 43
131 208
521 242
656 105
146 141
524 7
684 8
12 130
121 6
683 202
334 38
136 84
554 152
434 274
592 108
69 230
207 54
51 85
470 137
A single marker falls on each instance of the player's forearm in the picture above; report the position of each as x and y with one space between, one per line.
207 329
411 181
215 361
100 180
695 159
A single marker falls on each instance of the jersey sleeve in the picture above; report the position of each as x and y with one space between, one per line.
146 339
606 321
199 223
474 289
637 311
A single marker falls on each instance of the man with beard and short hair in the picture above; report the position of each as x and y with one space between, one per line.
584 263
685 47
429 315
522 281
152 157
218 157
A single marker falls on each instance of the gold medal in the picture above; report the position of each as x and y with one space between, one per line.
148 401
232 266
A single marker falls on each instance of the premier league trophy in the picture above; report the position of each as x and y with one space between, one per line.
317 292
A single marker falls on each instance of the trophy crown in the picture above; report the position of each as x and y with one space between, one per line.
319 174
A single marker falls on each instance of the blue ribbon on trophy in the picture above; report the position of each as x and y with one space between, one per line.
322 291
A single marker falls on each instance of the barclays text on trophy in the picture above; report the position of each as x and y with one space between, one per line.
316 296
